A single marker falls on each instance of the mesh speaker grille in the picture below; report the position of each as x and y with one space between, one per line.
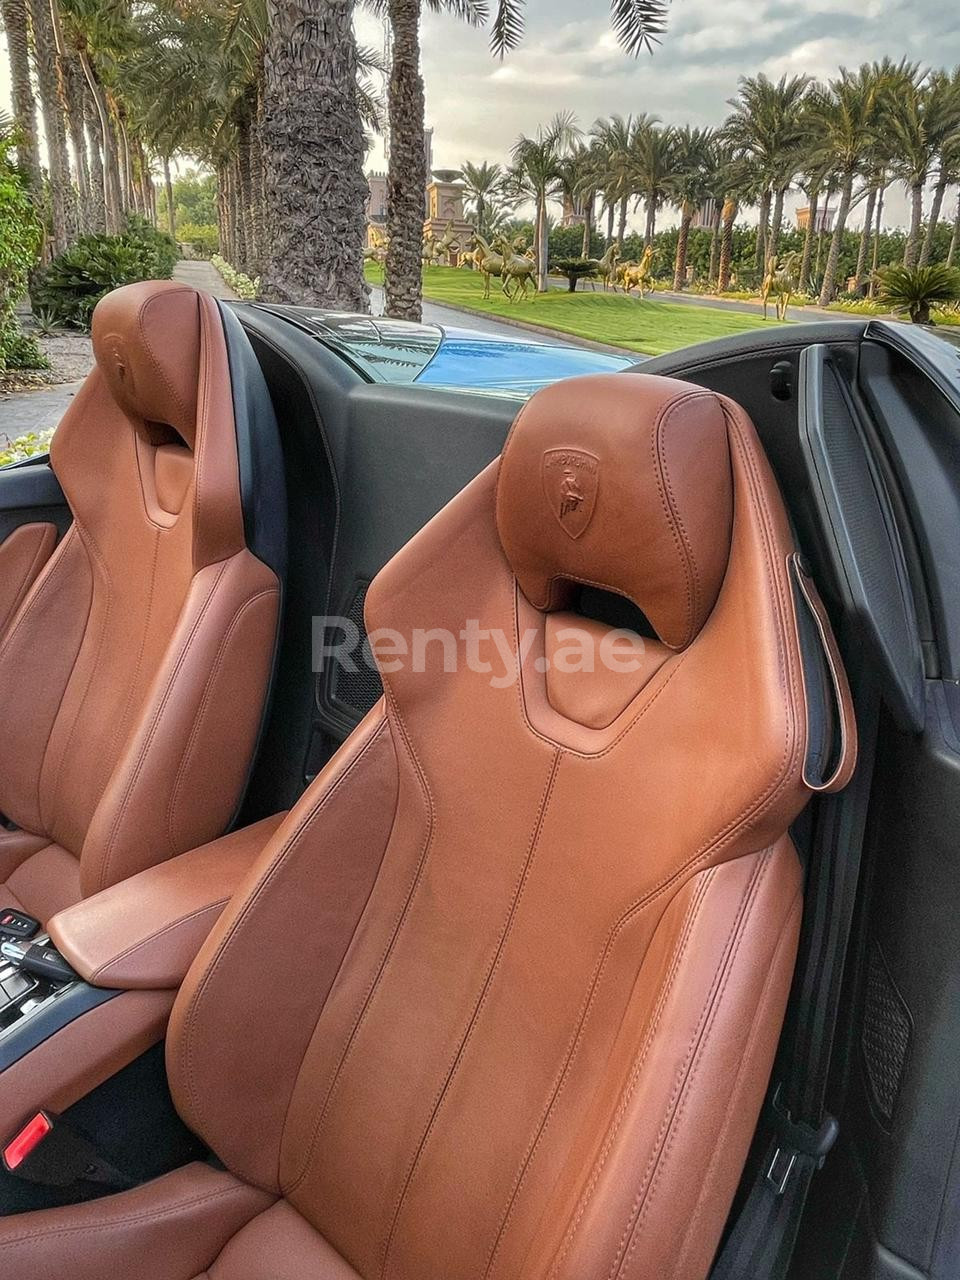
360 688
885 1036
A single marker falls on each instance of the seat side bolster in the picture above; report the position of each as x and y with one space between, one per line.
686 1089
249 1005
170 1228
181 772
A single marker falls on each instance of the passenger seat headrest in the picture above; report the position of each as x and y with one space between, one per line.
146 340
621 481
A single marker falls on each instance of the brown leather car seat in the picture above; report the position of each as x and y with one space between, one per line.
500 998
133 674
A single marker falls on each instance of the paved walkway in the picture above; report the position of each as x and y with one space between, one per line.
24 411
202 275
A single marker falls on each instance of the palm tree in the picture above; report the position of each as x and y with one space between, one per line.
13 14
406 159
767 127
918 118
536 173
482 185
946 88
577 177
739 184
688 186
614 140
63 221
955 238
652 167
313 150
842 117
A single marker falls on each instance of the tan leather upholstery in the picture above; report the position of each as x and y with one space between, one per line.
526 971
133 674
145 931
23 553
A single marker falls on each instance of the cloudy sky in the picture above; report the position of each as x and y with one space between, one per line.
570 61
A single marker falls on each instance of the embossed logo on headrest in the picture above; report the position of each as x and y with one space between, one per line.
570 482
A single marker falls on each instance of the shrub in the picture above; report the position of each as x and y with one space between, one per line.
24 447
915 290
241 285
20 350
574 269
72 285
203 236
20 238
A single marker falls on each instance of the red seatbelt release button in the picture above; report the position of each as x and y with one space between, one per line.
29 1137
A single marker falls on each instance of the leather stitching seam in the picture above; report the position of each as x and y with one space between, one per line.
466 1037
387 953
209 683
670 1125
106 855
692 1222
141 943
291 845
691 915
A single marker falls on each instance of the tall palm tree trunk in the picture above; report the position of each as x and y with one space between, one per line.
714 245
803 284
16 24
728 218
62 212
651 224
588 205
865 239
111 179
542 243
407 164
876 238
955 237
610 217
777 222
622 220
245 186
168 196
916 218
73 81
256 181
939 192
680 261
313 150
98 208
760 252
828 288
241 247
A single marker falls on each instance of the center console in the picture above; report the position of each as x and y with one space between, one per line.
97 988
33 1008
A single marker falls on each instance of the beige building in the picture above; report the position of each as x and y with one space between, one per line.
442 206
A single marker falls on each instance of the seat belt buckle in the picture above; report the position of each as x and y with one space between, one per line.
48 1151
795 1141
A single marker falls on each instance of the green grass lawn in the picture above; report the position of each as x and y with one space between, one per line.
651 327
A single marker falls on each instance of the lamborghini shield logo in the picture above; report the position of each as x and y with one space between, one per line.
570 481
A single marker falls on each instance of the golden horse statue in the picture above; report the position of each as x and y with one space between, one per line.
518 270
606 267
637 275
780 280
487 261
377 251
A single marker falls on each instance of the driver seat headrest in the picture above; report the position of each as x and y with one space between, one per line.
146 340
631 493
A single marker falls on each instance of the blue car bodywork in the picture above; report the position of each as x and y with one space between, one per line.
400 351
